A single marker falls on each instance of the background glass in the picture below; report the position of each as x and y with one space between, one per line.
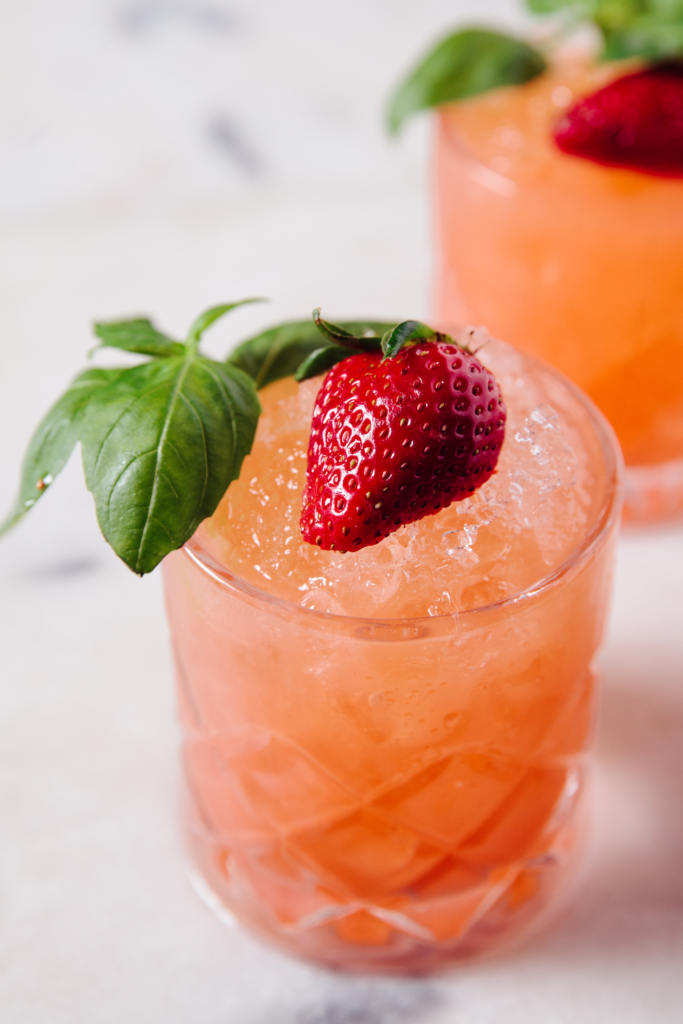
572 261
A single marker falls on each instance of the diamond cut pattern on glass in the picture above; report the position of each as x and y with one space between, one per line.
447 800
365 855
514 831
285 786
224 810
290 892
447 917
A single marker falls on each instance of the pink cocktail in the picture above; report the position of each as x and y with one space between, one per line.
385 751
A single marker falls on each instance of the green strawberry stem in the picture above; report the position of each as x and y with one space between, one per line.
339 336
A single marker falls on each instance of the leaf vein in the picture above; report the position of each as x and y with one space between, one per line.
175 394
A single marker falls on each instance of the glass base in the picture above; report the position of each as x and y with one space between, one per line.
424 936
654 494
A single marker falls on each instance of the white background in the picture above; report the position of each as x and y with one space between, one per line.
159 156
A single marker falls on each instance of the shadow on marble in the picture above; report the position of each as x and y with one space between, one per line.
225 135
144 16
62 569
370 1001
630 904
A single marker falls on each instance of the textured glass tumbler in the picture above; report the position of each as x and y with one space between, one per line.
578 263
390 795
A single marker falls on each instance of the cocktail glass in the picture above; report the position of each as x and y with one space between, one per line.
393 793
575 262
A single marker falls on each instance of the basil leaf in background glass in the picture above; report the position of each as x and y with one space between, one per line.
470 62
281 350
54 440
554 6
652 29
647 38
137 336
160 446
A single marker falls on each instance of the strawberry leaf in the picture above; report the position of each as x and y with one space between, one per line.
137 336
160 446
410 330
54 440
366 342
469 62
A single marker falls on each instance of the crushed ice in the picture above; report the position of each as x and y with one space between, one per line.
543 462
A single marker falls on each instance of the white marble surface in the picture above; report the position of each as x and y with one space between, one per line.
158 156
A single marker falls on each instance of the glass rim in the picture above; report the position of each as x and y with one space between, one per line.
604 519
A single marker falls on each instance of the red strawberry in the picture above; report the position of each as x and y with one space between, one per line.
635 122
396 439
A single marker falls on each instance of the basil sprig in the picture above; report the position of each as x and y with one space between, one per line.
162 441
476 60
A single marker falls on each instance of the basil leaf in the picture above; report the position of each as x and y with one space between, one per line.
410 330
552 6
210 316
137 336
322 360
54 440
280 351
277 352
465 64
652 29
646 37
160 446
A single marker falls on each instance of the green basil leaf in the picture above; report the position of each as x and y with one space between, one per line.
647 38
280 351
137 336
54 440
277 352
651 29
322 360
410 330
209 316
552 6
471 61
160 446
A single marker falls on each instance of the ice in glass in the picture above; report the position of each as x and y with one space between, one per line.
385 751
573 261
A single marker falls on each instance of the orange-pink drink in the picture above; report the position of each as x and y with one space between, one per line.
575 262
385 750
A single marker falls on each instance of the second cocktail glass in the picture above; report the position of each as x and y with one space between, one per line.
575 262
